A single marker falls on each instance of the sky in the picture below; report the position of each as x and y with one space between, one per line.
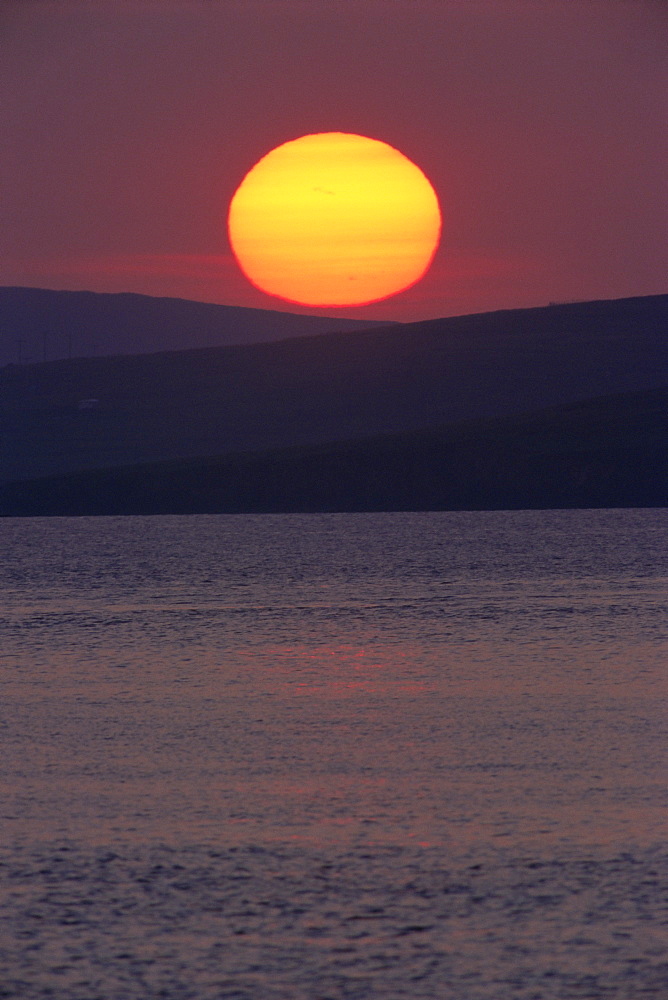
127 125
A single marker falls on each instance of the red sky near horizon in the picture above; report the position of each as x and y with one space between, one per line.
127 127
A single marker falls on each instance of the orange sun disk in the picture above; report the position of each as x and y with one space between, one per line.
334 219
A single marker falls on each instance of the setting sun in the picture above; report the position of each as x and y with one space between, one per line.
334 219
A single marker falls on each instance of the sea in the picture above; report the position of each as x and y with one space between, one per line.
334 756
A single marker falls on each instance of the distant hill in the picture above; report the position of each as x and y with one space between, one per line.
64 416
37 324
608 452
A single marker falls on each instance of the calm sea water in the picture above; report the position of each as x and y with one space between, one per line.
334 756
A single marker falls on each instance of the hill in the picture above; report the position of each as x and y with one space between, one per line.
608 452
37 324
64 416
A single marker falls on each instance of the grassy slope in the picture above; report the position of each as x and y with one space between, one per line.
608 452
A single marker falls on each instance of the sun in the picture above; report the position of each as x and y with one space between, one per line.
334 219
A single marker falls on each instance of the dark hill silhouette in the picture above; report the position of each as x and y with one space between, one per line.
608 452
312 390
37 324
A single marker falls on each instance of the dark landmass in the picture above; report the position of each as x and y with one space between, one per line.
37 324
94 413
608 452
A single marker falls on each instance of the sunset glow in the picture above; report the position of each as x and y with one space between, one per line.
334 219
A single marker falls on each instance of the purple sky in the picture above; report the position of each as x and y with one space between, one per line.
126 126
